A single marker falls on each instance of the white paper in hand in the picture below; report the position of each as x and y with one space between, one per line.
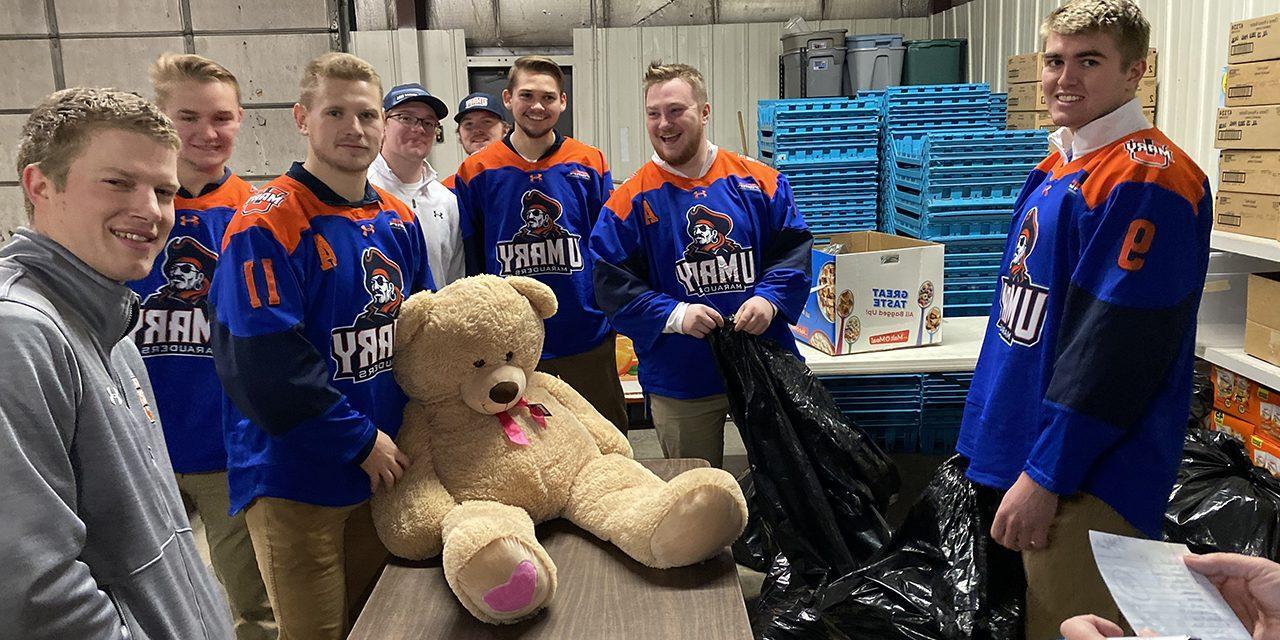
1156 591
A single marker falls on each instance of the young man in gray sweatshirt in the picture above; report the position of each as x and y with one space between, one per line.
94 542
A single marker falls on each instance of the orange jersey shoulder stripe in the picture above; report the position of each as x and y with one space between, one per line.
499 155
449 181
647 178
284 207
230 194
727 164
1146 156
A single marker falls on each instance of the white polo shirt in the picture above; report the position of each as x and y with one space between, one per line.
437 211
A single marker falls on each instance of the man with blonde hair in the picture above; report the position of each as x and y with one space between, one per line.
203 99
1076 415
698 234
313 272
527 208
95 542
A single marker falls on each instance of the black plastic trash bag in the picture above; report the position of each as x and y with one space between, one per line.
941 577
1221 502
753 549
785 609
821 484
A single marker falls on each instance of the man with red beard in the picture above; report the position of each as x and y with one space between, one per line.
697 234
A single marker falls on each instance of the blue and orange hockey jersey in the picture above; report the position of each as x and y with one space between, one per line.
522 218
173 326
716 240
1085 373
306 297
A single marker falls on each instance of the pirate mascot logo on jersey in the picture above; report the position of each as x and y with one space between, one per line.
713 262
1023 303
173 318
541 246
364 349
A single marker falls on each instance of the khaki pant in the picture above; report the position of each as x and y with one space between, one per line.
319 563
691 428
1063 580
594 374
231 553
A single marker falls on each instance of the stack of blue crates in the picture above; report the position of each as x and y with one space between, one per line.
959 189
999 110
904 413
829 150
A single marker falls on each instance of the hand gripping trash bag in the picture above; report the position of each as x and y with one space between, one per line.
821 484
1221 502
940 577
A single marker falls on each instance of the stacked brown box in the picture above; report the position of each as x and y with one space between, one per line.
1027 108
1248 132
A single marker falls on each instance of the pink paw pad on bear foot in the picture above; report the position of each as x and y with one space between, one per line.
517 592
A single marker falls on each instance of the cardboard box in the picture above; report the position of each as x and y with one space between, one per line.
1269 412
1251 214
1266 453
1254 39
1232 426
1147 93
1246 171
1029 120
1248 128
1235 395
1026 97
880 292
1026 67
1253 84
1262 317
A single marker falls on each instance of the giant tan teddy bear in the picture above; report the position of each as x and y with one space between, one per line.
496 447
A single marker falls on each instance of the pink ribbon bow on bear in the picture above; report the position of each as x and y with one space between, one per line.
512 430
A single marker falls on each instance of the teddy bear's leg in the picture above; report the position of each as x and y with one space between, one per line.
660 524
494 563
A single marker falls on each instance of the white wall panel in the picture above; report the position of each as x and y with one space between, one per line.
258 14
10 134
124 16
739 62
269 67
1190 35
25 18
268 143
29 73
12 213
114 62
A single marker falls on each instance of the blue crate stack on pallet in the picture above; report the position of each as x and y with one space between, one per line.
904 413
829 150
958 188
999 110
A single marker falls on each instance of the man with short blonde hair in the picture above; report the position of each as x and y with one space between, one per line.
95 542
314 270
1075 418
203 99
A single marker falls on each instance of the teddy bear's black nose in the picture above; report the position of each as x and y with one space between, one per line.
504 392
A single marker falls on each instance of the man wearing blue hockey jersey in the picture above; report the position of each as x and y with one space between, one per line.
313 273
1079 401
697 234
527 204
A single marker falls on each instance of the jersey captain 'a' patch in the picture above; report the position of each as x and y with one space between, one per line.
713 262
1023 303
366 348
173 318
541 246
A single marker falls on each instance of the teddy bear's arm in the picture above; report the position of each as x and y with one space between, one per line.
409 516
607 436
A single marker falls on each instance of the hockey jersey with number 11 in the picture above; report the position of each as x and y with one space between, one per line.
716 240
1085 372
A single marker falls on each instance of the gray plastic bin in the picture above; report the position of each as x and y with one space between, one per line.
873 69
828 39
824 72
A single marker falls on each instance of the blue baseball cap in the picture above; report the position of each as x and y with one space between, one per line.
480 101
413 92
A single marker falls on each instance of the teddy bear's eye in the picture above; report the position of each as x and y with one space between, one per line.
478 364
509 356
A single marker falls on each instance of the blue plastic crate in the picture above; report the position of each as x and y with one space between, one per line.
815 111
942 226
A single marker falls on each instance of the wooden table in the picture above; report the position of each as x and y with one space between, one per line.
602 594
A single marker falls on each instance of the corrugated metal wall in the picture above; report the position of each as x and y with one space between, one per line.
739 61
1191 36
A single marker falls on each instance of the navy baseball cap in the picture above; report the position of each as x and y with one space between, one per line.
413 92
480 101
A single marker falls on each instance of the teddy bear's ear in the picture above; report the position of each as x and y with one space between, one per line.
414 314
540 295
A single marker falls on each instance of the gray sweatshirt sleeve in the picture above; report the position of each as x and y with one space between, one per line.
46 590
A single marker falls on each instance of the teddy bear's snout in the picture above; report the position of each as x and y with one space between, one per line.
504 392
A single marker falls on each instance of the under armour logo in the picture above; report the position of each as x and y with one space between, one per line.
699 193
535 177
366 230
438 214
185 220
1045 191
